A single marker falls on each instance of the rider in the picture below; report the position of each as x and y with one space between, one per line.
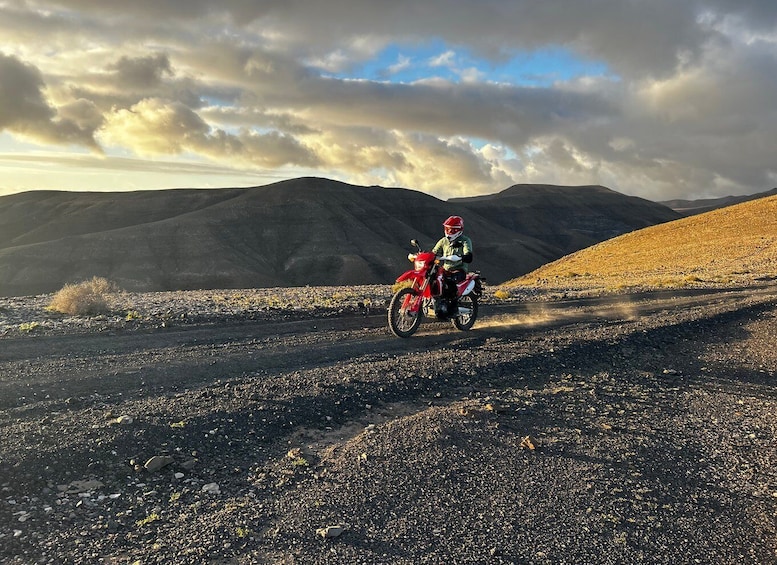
456 248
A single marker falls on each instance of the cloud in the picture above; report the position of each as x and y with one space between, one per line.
402 64
635 36
154 127
444 167
20 91
141 72
685 105
447 59
158 127
25 111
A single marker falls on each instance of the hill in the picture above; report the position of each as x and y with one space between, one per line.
725 245
692 207
307 231
568 217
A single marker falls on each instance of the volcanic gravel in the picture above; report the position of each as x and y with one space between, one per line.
289 426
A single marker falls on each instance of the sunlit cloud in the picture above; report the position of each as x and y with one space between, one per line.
657 98
402 63
447 59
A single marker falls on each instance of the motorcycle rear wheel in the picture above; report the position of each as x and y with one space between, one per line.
465 322
401 321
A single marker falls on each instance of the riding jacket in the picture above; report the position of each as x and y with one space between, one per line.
461 246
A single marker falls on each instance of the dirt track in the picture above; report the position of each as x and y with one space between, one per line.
603 430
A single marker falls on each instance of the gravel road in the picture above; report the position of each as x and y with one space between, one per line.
632 428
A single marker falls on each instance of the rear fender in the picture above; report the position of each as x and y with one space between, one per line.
466 287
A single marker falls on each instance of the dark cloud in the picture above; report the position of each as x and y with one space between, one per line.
757 14
141 72
21 99
25 110
686 104
638 37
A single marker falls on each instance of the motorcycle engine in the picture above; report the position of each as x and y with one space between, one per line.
442 308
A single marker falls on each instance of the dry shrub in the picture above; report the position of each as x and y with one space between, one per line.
502 294
85 298
397 286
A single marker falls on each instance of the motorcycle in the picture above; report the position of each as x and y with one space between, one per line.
428 292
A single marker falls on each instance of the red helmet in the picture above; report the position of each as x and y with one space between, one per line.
453 226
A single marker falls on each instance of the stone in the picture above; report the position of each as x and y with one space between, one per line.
331 531
77 487
529 443
189 464
122 421
157 462
211 488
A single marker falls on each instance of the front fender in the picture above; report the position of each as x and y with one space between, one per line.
411 276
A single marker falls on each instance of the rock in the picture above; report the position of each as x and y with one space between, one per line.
529 443
23 516
77 487
331 531
122 421
158 462
189 464
211 488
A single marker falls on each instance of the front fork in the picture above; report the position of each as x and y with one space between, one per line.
413 302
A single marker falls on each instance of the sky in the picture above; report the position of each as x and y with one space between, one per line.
660 99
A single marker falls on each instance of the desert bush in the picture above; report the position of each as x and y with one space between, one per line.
28 327
501 294
397 286
85 298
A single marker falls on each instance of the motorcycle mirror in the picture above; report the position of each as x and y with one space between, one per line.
414 243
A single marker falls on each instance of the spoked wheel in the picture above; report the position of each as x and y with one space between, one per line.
468 313
401 321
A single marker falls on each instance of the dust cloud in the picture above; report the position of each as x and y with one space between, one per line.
553 314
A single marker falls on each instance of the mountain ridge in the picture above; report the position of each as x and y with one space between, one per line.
700 206
570 217
306 231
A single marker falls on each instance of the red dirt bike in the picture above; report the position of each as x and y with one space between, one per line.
430 293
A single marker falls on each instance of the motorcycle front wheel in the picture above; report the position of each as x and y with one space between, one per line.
402 322
468 313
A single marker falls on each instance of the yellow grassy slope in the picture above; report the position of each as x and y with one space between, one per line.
726 245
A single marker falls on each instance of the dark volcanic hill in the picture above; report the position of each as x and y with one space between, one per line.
293 233
568 217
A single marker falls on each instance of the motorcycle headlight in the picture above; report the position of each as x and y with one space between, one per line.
420 265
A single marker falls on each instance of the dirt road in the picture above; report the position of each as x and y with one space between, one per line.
634 428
